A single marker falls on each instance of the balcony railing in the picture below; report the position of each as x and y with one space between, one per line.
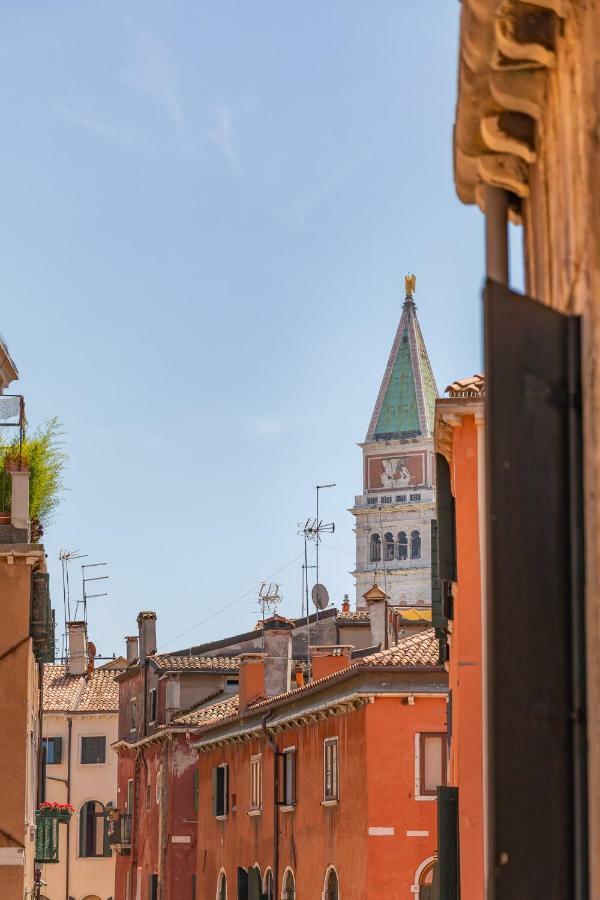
119 830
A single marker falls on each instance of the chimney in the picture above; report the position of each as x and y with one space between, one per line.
147 632
345 604
19 502
277 636
252 678
299 676
131 642
376 601
77 659
327 659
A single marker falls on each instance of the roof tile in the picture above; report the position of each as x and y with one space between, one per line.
78 693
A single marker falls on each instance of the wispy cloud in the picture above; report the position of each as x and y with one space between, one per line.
152 74
222 134
88 122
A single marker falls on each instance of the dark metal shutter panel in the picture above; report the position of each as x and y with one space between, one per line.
242 884
57 749
448 853
215 789
446 520
530 557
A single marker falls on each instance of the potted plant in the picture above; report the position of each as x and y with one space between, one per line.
53 810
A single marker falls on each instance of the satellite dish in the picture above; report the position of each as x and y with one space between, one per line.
320 596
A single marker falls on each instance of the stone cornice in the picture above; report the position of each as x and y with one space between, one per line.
506 50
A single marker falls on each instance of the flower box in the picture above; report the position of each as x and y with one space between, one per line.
60 811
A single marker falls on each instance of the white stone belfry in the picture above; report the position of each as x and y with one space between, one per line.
394 512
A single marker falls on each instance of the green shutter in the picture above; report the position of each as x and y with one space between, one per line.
215 790
83 830
448 852
196 790
57 749
225 790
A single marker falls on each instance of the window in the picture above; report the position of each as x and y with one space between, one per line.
402 546
153 702
153 887
289 777
386 499
415 497
372 501
331 891
432 763
93 833
415 545
53 747
222 887
255 783
330 769
148 794
401 498
288 891
133 714
388 546
221 790
269 886
130 796
93 750
375 554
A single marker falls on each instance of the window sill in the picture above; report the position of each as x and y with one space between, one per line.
222 818
329 802
254 812
425 796
287 808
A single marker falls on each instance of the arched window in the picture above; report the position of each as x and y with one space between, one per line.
93 832
415 545
269 886
375 548
222 887
288 890
331 890
388 547
402 545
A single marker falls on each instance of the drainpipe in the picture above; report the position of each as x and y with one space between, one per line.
496 233
70 733
273 747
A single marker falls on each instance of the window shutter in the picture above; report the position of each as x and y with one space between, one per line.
106 845
225 790
57 749
83 824
448 858
215 790
242 884
446 520
254 884
536 638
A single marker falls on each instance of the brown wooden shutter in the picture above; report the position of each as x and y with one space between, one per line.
536 651
448 852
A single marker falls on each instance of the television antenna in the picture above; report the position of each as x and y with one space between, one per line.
85 580
269 599
313 529
66 557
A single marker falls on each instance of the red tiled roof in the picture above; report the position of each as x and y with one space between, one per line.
467 387
168 663
77 693
210 715
417 650
359 617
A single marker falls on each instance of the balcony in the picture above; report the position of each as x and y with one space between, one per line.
119 831
46 839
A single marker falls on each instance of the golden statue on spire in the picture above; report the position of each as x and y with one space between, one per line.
410 284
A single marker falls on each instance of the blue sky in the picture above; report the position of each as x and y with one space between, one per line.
207 213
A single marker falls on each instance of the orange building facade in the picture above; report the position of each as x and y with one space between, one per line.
459 444
327 790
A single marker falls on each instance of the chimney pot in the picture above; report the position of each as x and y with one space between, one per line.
251 678
277 636
77 659
19 502
131 642
330 658
147 633
346 604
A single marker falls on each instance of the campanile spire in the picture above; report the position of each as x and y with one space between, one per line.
394 512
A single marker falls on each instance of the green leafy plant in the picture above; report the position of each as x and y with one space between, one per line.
44 456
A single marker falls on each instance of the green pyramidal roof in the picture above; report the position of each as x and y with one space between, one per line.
406 401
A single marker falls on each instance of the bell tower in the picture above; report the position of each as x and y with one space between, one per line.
393 513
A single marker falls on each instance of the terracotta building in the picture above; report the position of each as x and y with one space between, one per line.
526 148
460 458
26 641
81 704
328 789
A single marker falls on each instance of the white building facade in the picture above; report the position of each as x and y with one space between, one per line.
394 512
